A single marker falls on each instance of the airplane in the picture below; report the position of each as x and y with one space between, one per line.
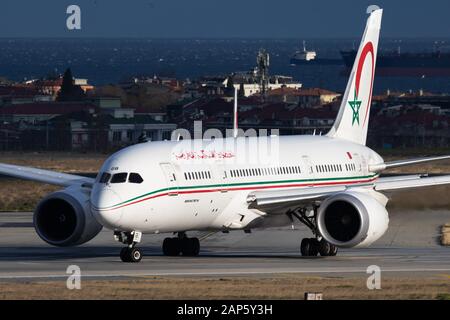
331 183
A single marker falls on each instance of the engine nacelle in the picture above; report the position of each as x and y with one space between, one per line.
352 219
64 218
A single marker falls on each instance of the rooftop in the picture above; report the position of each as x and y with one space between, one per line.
46 108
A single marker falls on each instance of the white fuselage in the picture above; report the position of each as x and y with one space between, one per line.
204 185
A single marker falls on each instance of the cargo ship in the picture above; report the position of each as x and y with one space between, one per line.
432 64
307 57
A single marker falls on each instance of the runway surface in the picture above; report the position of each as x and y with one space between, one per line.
410 247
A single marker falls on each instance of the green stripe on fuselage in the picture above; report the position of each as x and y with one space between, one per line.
243 184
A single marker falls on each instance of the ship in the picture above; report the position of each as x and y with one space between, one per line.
308 57
423 64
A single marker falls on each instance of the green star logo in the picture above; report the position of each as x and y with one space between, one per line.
355 105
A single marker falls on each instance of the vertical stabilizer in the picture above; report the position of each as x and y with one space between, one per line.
353 118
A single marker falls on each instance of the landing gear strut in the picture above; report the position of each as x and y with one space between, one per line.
181 245
311 247
130 253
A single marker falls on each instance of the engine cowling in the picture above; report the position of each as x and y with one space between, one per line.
352 219
64 218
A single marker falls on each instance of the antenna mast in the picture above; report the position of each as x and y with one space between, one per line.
235 114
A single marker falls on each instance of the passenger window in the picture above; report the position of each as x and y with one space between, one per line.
119 177
135 178
104 178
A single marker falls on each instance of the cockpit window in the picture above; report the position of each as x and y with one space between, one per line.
104 178
119 177
135 178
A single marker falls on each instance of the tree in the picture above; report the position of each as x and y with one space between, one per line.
69 91
229 89
241 90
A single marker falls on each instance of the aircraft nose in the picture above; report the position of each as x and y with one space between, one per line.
105 207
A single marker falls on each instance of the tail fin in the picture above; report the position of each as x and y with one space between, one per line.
353 118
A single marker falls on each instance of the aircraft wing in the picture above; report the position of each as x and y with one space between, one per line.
411 182
44 176
282 199
408 162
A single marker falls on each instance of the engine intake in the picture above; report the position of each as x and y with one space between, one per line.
352 219
63 218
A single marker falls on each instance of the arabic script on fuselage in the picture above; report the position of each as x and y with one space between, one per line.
203 154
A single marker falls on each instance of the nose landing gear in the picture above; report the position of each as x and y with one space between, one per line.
130 253
181 245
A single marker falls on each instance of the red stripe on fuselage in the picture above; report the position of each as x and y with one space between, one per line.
246 188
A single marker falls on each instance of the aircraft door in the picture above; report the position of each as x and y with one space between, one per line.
171 178
359 163
308 168
220 175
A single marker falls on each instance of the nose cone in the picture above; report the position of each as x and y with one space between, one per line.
105 206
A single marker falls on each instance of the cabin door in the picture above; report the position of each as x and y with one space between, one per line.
308 169
171 178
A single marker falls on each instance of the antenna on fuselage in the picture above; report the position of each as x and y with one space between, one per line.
235 114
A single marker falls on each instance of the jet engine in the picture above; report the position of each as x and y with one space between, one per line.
64 218
352 219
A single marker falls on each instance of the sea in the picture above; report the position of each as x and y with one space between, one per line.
110 61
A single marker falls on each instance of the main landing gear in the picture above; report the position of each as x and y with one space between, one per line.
311 247
130 253
181 245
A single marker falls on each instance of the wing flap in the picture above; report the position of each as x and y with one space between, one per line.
264 198
44 176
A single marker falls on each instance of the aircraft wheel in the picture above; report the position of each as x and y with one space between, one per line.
309 247
314 248
171 247
135 255
190 247
130 254
324 248
124 254
333 250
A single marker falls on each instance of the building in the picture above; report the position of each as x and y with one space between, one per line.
35 112
250 85
401 126
52 86
312 97
21 94
126 131
99 124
